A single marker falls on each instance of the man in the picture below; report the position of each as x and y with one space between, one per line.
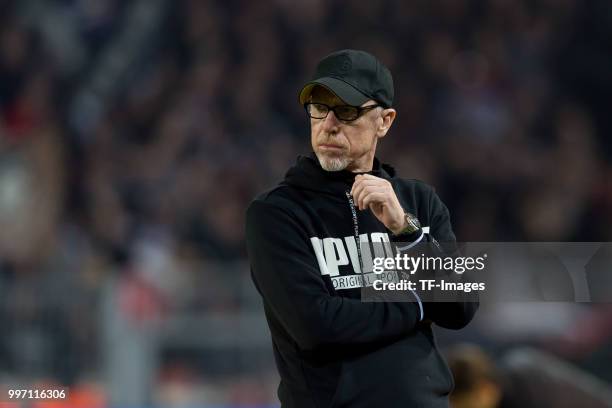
307 241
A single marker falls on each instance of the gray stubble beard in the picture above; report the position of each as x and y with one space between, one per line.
333 163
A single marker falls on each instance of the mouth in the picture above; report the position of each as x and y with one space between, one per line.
330 147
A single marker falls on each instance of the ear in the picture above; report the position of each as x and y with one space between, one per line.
385 121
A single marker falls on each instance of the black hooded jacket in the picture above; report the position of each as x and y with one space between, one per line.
332 349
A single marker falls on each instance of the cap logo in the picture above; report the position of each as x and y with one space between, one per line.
345 65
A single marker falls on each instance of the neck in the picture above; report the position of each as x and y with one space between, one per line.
362 164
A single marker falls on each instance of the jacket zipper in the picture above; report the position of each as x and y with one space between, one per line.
356 233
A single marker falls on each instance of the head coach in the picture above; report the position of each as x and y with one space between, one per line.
305 240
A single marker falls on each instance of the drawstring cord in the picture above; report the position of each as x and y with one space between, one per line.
356 232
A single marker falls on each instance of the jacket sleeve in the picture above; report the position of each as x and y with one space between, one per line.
450 315
286 273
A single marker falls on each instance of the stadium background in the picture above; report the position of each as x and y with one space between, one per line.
134 134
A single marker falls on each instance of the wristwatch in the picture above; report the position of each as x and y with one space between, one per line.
412 224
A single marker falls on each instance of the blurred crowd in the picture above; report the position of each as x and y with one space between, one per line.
138 165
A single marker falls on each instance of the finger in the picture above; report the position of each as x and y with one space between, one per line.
362 183
355 183
358 194
371 177
374 198
367 190
368 178
358 186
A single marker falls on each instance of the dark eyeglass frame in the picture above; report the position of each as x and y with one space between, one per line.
358 109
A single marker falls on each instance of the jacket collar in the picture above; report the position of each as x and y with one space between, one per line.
307 173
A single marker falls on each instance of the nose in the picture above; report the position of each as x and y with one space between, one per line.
331 123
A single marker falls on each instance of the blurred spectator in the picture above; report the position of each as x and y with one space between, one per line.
523 378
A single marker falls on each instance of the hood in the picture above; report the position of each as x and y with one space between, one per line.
308 174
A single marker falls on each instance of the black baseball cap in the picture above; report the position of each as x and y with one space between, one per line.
354 76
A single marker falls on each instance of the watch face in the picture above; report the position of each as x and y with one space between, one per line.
413 222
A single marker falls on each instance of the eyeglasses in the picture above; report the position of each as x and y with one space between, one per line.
345 113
